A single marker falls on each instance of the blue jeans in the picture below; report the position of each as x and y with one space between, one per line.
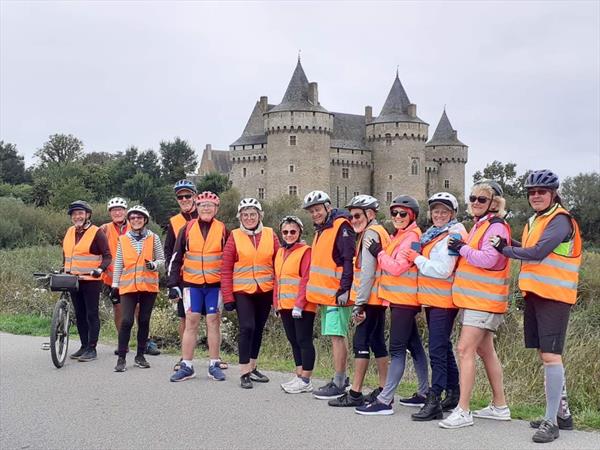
444 372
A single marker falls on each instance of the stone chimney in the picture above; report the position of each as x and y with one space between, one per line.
368 114
412 110
313 93
264 103
208 151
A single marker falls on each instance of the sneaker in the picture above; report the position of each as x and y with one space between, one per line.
255 375
372 396
493 412
141 362
184 373
547 432
289 383
215 372
299 387
563 424
78 353
416 400
329 391
88 355
458 419
177 365
120 367
246 381
152 348
347 400
375 408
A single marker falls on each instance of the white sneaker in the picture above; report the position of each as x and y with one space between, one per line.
458 419
289 383
299 387
492 412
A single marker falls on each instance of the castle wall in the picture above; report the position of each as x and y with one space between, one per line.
450 162
248 181
350 174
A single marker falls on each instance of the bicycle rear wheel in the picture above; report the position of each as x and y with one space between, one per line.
59 332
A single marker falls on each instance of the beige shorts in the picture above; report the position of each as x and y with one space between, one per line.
480 319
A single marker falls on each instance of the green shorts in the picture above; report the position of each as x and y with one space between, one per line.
335 320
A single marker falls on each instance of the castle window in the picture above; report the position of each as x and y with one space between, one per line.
337 196
262 171
244 172
345 172
414 167
292 168
356 193
446 184
261 193
345 195
292 140
388 139
390 177
388 197
293 190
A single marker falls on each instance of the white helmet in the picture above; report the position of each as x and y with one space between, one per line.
139 209
444 198
364 202
315 198
116 202
249 203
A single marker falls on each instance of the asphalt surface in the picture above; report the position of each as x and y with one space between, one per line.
87 405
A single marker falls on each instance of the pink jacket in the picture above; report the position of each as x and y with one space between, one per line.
395 263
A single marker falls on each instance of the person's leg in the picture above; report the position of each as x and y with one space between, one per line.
451 367
493 368
117 316
181 315
419 357
262 303
213 322
128 303
91 295
378 345
146 304
80 317
304 335
438 351
290 331
469 340
362 353
246 318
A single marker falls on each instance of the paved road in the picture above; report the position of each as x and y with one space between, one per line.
87 405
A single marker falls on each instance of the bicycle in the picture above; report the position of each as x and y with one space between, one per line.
62 318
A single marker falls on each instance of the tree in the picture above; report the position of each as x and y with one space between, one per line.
581 195
148 162
214 182
506 176
12 165
178 159
60 149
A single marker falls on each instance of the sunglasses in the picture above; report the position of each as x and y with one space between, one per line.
481 199
136 217
402 214
357 216
184 196
290 232
532 192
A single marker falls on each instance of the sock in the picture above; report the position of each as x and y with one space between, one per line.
555 379
188 362
563 410
340 379
305 379
214 361
355 394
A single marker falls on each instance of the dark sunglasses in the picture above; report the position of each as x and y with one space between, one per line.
402 214
357 216
481 199
186 196
531 192
290 232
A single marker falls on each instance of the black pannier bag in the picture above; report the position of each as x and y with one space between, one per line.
64 282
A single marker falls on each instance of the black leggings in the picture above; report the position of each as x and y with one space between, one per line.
370 335
300 334
253 312
128 303
85 301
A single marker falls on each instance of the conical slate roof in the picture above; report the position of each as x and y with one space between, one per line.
254 132
296 94
444 133
395 108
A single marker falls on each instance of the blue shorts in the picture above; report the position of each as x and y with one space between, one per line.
201 300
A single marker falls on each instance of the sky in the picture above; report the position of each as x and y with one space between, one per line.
520 80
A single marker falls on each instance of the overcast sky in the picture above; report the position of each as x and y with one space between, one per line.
520 80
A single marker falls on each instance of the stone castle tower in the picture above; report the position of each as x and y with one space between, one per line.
299 145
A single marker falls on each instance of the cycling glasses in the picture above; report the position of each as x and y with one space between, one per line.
531 192
184 196
400 213
481 199
290 232
357 216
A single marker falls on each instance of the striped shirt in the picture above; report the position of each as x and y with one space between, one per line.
158 254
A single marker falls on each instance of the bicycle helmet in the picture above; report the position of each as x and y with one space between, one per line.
315 198
406 201
542 178
185 184
139 209
79 204
493 184
445 198
292 219
116 202
208 196
249 203
364 202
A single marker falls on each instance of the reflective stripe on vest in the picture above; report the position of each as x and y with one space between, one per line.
324 277
287 272
384 239
78 259
254 267
202 259
402 289
477 288
434 291
135 277
556 276
112 235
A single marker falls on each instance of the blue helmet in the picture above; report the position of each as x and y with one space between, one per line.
542 178
185 184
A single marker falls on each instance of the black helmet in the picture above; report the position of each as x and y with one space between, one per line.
542 178
79 204
407 202
493 184
364 202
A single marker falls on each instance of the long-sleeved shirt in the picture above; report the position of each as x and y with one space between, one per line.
99 246
368 267
138 244
558 230
487 257
396 264
440 264
304 272
170 238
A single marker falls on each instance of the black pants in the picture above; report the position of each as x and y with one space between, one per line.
369 335
444 372
253 312
300 334
404 333
128 302
85 301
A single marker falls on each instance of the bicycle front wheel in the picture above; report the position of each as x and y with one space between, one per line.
59 332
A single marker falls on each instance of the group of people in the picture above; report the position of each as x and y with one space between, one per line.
353 271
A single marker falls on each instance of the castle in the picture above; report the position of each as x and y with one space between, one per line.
298 146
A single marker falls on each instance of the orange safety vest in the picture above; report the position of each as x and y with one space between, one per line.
287 271
202 260
112 235
400 290
384 239
78 259
254 267
434 291
478 288
135 277
177 223
556 276
324 277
